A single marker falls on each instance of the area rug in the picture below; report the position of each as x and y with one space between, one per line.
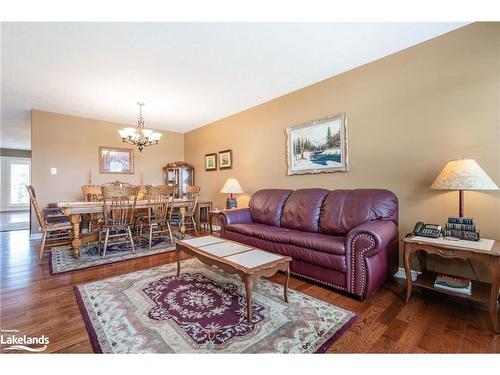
203 311
62 259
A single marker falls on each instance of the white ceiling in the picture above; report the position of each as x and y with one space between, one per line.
189 74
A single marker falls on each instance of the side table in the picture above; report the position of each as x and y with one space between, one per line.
211 215
484 293
202 214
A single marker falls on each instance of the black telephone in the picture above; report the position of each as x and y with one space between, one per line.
427 230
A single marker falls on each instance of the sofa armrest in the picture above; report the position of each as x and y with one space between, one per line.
240 215
371 250
376 235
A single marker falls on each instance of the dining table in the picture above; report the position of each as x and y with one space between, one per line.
75 210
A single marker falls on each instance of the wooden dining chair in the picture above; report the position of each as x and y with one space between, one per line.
142 192
60 230
118 211
175 215
141 195
192 194
117 184
93 193
160 199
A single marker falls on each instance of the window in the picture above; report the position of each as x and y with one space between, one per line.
15 174
19 178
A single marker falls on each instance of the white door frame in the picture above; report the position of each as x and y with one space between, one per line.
5 163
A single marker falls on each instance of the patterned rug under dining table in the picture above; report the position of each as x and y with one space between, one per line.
75 210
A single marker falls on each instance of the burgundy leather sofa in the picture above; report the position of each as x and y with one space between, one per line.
346 239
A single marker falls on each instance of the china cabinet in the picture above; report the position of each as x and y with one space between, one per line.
180 174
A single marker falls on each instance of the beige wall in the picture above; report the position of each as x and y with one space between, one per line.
407 115
71 145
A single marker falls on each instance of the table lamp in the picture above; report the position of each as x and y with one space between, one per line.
463 174
232 186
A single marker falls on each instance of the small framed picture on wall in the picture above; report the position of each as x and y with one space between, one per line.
225 159
211 162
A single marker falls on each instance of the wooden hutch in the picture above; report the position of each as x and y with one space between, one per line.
179 173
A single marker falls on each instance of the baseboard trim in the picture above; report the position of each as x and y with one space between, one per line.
35 236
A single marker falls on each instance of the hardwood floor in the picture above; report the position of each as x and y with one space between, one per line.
14 220
34 302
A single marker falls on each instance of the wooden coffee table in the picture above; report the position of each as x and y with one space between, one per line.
232 257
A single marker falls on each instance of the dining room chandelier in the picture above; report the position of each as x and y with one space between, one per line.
140 136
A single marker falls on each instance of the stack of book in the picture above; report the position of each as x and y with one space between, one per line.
461 227
453 283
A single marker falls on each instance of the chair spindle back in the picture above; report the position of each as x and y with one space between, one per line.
119 204
36 207
192 194
92 193
160 199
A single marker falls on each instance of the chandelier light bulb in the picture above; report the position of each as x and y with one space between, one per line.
130 131
156 136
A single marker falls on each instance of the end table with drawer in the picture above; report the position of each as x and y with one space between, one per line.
482 292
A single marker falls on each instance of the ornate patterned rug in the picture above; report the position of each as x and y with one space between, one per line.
203 311
62 259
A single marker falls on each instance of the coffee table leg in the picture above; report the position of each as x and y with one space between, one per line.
177 257
249 289
285 292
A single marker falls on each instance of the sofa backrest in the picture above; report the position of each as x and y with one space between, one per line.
266 205
318 210
343 210
302 209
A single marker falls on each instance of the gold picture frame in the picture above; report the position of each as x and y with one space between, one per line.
114 160
318 146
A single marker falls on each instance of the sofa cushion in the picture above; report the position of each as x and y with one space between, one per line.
302 209
326 260
344 210
266 205
265 232
318 241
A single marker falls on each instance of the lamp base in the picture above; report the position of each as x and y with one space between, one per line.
461 203
231 203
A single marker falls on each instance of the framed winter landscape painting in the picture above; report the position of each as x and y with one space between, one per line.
318 146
